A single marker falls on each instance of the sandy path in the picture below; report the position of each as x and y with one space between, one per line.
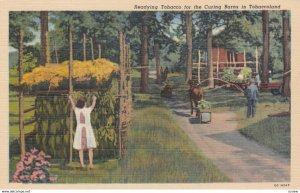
239 158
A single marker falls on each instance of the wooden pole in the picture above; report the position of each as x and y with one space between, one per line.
230 59
44 38
206 58
199 65
48 48
71 90
245 58
92 49
157 61
84 46
56 55
218 58
99 51
233 59
21 108
129 85
256 60
121 92
226 59
189 44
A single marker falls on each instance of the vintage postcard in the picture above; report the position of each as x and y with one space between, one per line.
197 94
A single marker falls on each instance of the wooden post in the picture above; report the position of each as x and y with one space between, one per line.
199 65
121 92
226 59
230 59
206 58
127 56
128 79
84 46
45 58
157 61
99 51
218 58
21 108
92 49
245 58
56 55
129 84
233 59
256 60
71 90
48 48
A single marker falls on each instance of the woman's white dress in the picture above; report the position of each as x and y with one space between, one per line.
84 113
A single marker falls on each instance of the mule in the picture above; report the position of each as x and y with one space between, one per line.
196 94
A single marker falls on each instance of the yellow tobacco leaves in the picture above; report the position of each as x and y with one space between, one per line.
100 69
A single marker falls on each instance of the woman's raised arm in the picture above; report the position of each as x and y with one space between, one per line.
93 103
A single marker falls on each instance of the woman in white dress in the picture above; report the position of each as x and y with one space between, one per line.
84 136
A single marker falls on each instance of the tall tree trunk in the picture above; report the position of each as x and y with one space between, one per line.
209 59
71 89
189 43
21 108
45 53
265 18
144 54
157 61
286 54
99 50
84 46
92 49
56 55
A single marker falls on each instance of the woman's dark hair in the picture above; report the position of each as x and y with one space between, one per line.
80 102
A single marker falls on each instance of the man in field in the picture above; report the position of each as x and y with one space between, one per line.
252 96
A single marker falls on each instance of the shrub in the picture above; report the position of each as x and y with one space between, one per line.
228 75
203 104
30 62
246 72
33 168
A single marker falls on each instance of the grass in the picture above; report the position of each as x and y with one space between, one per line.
272 132
14 108
159 151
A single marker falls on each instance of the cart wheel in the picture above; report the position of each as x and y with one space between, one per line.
275 91
198 114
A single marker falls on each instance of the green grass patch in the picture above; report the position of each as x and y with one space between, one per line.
273 132
13 76
14 109
159 151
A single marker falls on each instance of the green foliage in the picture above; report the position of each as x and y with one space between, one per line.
228 75
203 104
30 62
13 59
247 73
24 20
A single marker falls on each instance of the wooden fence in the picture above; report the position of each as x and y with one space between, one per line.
125 97
218 65
125 103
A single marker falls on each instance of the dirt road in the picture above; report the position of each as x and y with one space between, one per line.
239 158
